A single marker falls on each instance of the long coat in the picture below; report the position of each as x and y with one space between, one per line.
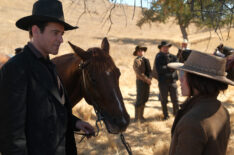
33 119
201 127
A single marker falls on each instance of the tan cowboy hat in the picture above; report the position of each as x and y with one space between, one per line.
204 64
164 43
45 11
139 48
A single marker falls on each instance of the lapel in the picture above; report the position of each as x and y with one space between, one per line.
43 76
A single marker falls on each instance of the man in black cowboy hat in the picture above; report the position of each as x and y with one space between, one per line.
142 69
166 78
35 114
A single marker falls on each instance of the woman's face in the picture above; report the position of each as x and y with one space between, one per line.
185 90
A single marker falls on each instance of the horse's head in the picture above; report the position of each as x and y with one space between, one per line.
100 86
223 51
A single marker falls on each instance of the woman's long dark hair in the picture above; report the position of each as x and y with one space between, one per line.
204 85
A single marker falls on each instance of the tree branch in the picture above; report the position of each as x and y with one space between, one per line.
110 19
109 16
84 11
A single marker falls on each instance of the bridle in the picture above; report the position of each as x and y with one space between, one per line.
100 116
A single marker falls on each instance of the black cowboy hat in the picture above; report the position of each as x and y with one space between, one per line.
139 48
45 11
164 43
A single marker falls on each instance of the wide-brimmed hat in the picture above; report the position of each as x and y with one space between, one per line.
204 64
164 43
139 47
45 11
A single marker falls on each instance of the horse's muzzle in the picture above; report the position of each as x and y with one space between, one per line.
117 124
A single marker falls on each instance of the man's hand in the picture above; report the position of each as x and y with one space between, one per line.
86 127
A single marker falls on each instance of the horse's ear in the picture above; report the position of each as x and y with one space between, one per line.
80 52
105 45
220 46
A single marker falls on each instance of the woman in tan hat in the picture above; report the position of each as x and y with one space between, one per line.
202 125
142 69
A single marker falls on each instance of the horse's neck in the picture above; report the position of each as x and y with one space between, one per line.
74 88
68 69
75 97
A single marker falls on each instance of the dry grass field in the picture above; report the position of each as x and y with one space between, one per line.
153 136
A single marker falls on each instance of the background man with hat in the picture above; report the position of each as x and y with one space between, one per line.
166 77
184 45
184 51
35 114
142 69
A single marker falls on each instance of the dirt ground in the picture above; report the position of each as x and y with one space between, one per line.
153 136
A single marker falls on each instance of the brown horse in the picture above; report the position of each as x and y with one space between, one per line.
3 59
93 75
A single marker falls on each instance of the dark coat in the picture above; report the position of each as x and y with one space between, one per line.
164 73
201 127
33 119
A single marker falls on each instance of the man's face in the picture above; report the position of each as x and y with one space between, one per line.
48 41
184 45
140 53
164 49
